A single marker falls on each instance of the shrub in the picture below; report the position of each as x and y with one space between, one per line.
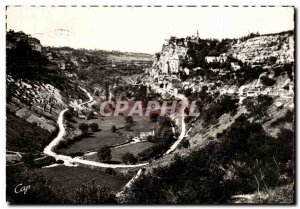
128 127
250 73
113 129
272 60
60 162
90 115
75 154
153 152
150 138
104 153
188 92
94 127
69 115
110 171
184 143
62 144
41 162
84 128
216 110
128 120
165 121
188 118
258 108
129 158
267 81
219 135
97 93
92 194
154 116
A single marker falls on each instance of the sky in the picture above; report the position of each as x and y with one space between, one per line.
143 29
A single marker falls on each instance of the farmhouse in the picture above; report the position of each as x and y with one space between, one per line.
144 135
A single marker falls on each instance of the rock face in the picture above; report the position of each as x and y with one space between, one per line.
35 93
15 37
171 58
267 50
278 47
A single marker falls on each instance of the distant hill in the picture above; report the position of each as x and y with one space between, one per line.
41 81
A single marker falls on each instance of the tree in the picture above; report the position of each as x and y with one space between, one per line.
172 39
267 81
184 143
128 120
90 115
104 153
165 121
84 128
129 158
272 60
188 92
258 108
106 86
157 56
94 127
110 171
113 128
97 93
128 126
52 103
154 116
167 136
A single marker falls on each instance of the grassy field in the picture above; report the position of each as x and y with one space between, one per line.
135 149
105 137
117 153
68 178
143 124
100 138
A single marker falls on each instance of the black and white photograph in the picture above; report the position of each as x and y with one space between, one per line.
150 105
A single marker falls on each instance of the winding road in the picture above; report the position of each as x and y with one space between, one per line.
69 161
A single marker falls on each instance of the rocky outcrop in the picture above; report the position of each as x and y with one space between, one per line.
170 58
274 48
13 38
